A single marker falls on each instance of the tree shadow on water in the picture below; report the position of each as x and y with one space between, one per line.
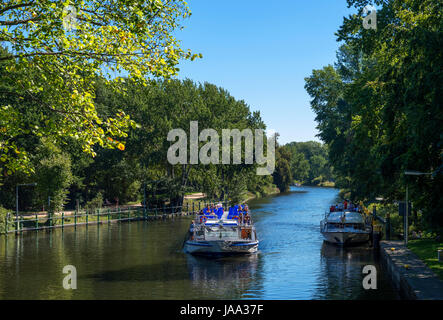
154 272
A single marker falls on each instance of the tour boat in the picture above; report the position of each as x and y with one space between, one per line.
221 233
344 227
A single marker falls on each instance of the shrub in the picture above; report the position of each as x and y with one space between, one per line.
95 203
3 217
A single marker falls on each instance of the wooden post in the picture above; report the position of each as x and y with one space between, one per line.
63 220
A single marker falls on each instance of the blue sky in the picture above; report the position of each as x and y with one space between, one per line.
261 51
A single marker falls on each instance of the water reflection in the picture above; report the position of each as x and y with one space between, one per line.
144 260
341 276
223 276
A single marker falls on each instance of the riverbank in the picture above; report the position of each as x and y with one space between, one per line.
323 184
269 192
410 275
427 251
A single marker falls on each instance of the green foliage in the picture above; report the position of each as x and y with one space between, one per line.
53 177
49 71
379 110
309 162
94 204
119 176
5 225
237 189
282 174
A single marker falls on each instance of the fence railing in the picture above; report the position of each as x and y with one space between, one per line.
40 221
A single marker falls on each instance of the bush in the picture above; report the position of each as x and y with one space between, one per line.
3 215
53 177
95 203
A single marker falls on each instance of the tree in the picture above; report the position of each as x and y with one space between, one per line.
53 177
282 174
379 110
55 52
309 162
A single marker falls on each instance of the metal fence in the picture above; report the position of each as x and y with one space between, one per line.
39 221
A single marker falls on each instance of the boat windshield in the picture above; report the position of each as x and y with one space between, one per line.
350 217
221 233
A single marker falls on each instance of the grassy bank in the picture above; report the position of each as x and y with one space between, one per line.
426 250
326 184
268 191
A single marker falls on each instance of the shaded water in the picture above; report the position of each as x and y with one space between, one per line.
143 260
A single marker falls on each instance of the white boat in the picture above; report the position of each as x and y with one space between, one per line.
344 227
210 234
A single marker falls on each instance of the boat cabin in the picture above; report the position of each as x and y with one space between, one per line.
341 219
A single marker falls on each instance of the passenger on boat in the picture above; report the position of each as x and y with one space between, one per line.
332 208
247 219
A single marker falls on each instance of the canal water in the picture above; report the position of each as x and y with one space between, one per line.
144 260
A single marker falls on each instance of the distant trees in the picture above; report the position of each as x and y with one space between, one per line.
379 108
282 174
66 174
309 162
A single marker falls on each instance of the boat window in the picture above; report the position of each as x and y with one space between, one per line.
221 233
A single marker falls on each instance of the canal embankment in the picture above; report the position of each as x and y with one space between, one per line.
21 223
410 275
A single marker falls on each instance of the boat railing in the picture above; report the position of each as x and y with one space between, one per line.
200 218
